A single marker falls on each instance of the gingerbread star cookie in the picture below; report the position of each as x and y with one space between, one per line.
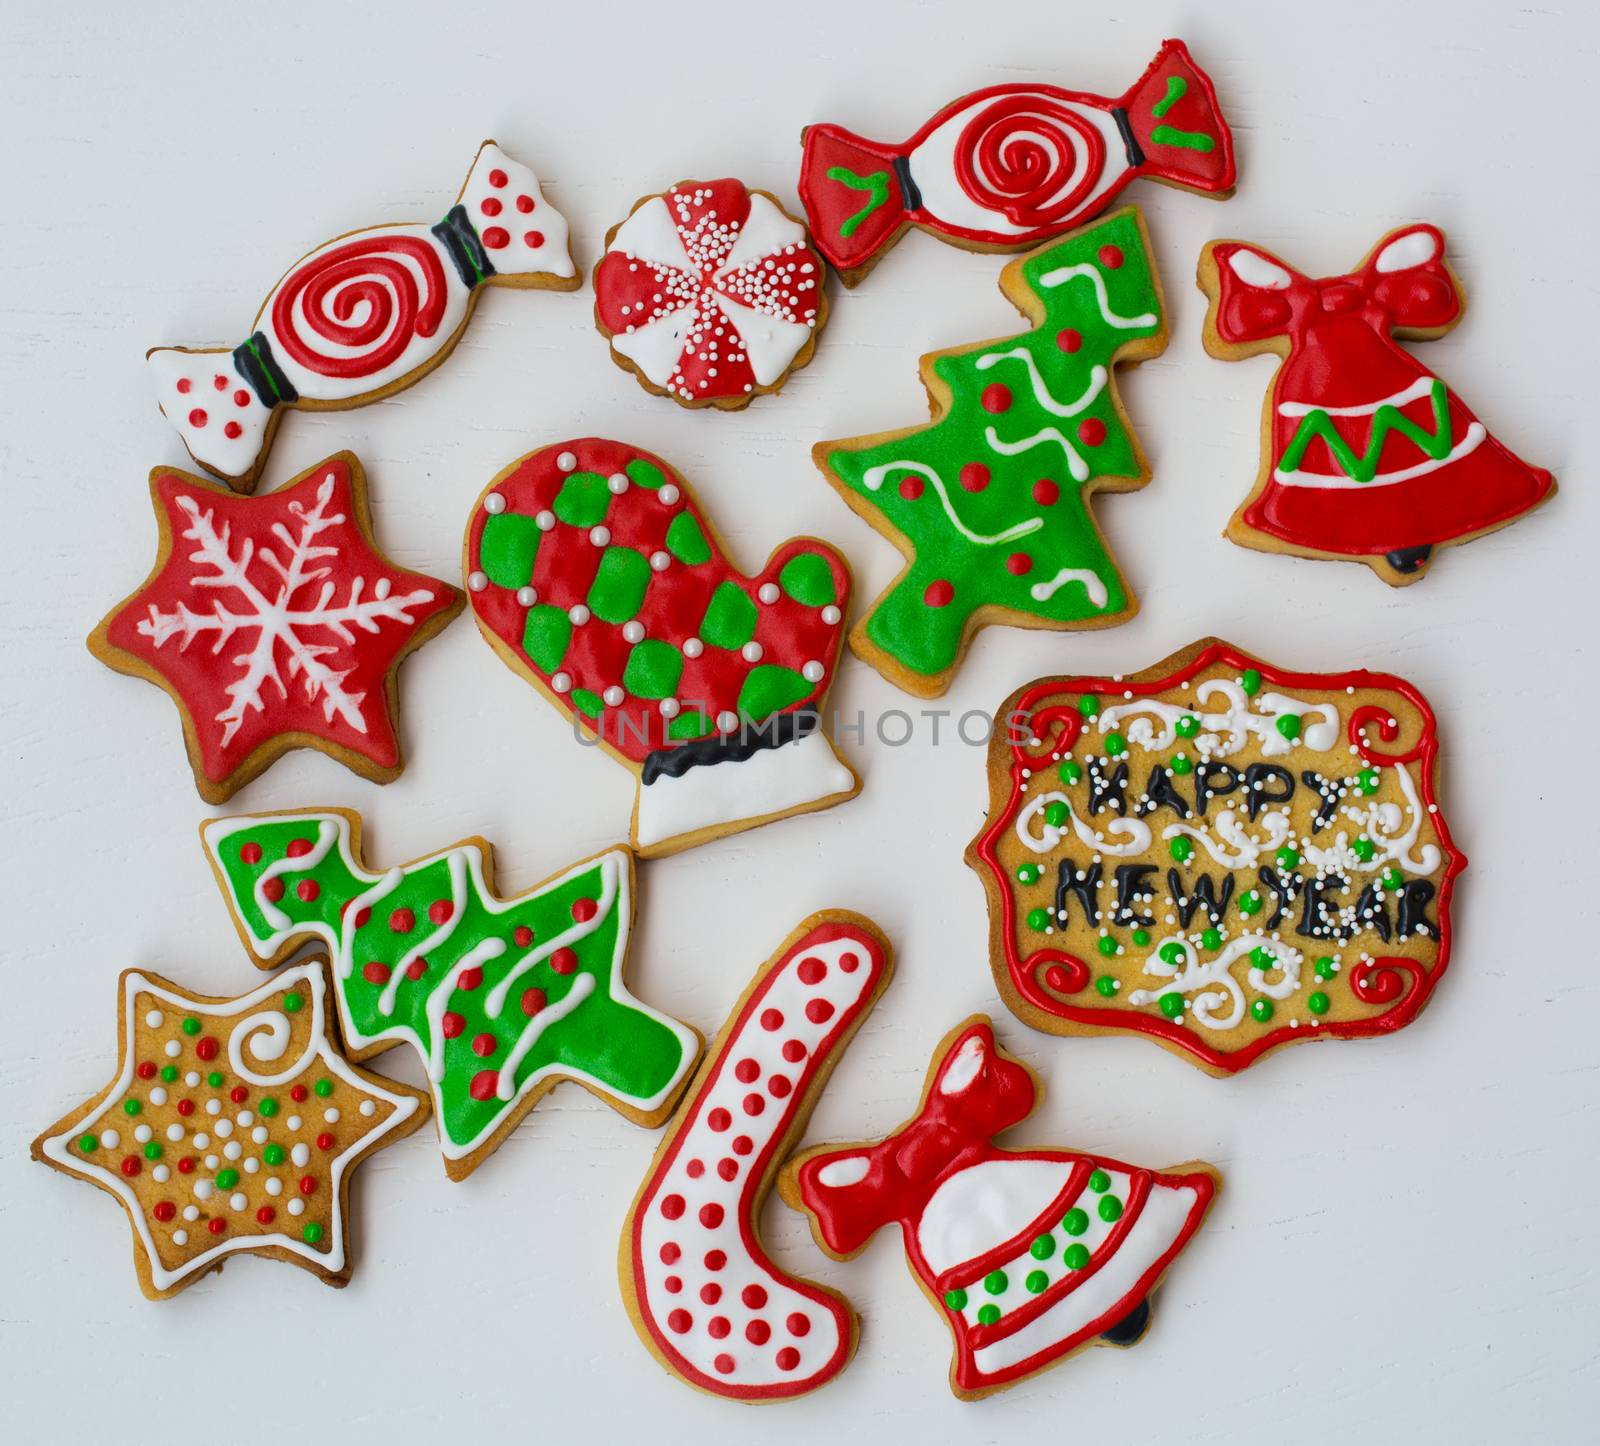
231 1127
275 623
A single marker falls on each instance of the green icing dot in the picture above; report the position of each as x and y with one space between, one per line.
545 634
808 579
1180 764
692 724
1180 848
589 703
1043 1247
1027 873
1069 771
1038 918
1250 681
191 1025
1288 724
323 1088
272 1155
227 1179
1055 813
1261 1010
1211 938
507 549
1089 705
619 585
1110 1208
268 1107
645 474
1364 848
1187 726
1037 1282
770 688
1105 986
1249 902
1172 1005
1323 967
1392 878
215 1079
686 542
1075 1222
1141 937
292 1003
152 1151
653 669
1075 1257
1261 957
312 1233
1171 952
956 1299
1106 945
1369 780
131 1107
1287 858
582 500
88 1144
1115 745
988 1314
169 1072
730 618
1318 1003
995 1282
1099 1181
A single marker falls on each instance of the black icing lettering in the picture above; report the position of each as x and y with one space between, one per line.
1415 896
1160 793
1256 778
1107 790
1080 884
1315 920
1371 913
1329 791
1208 784
1130 879
1283 888
1202 895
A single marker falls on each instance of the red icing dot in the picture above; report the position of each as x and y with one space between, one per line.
771 1019
812 971
469 979
939 594
496 238
819 1011
727 1168
1111 257
232 431
1069 340
186 1165
298 1093
533 1000
778 1087
758 1333
670 1253
265 1214
533 239
753 1296
238 1094
672 1206
375 972
849 963
911 488
679 1321
787 1359
753 1104
711 1215
402 921
298 847
1091 431
325 1140
973 476
483 1045
308 1184
724 1363
183 386
672 1284
217 1226
147 1070
452 1024
711 1293
563 961
417 968
584 909
307 890
798 1325
747 1071
524 204
207 1048
716 1259
794 1051
440 910
185 1107
220 382
165 1210
241 398
363 916
491 206
522 936
1019 564
719 1119
695 1169
272 890
497 178
1045 492
485 1084
1058 979
995 397
718 1328
250 854
130 1165
742 1144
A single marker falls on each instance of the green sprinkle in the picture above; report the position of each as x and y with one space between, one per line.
1318 1003
1074 1222
1116 746
1171 952
1110 1208
1180 764
1028 873
1106 945
1369 780
956 1299
272 1155
1288 724
1069 771
1043 1247
1141 937
1089 705
227 1179
1105 986
1038 919
988 1314
1261 957
323 1088
1249 902
169 1073
292 1003
1076 1257
1287 858
1392 878
1323 967
1250 681
1261 1010
1187 726
995 1282
88 1144
1099 1182
191 1025
268 1107
1364 848
1055 813
152 1151
1037 1282
131 1107
312 1233
214 1079
1172 1005
1212 938
1180 849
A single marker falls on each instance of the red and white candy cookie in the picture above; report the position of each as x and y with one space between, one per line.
698 1284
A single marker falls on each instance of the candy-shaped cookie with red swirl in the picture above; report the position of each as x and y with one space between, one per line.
362 317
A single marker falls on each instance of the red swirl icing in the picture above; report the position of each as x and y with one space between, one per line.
363 295
1016 155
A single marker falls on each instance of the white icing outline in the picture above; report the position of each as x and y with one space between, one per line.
1063 274
873 479
1190 974
1136 831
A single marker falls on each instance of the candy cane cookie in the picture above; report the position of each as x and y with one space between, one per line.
696 1279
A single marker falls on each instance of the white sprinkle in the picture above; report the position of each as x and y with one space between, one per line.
301 1153
180 1237
174 1049
613 696
768 592
566 461
668 494
579 614
617 482
293 1122
660 561
368 1108
693 647
238 1200
142 1134
751 652
812 672
633 631
561 682
727 721
600 536
192 1212
161 1174
669 707
494 502
232 1150
331 1116
174 1133
477 581
274 1185
110 1139
830 615
527 596
155 1019
545 520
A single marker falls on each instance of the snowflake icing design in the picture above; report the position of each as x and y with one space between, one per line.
274 615
710 291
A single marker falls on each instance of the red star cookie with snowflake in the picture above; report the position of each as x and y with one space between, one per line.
232 1126
275 623
710 294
